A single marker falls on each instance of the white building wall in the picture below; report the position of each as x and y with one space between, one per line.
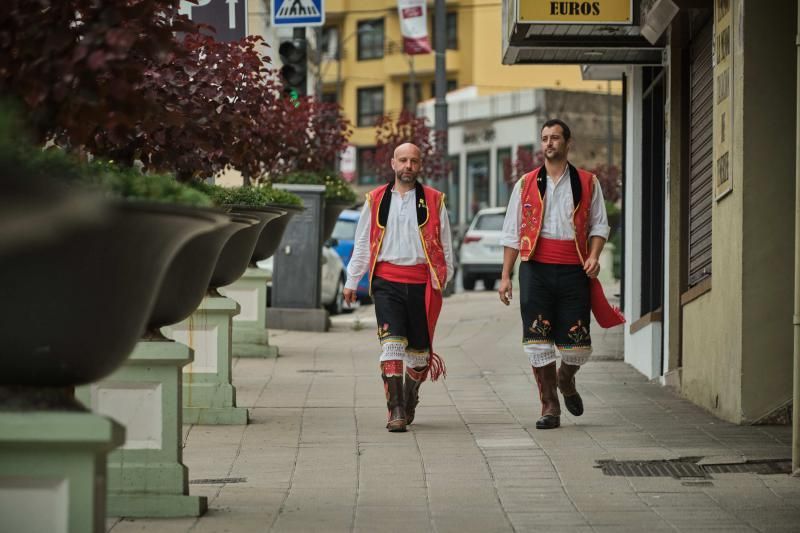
642 348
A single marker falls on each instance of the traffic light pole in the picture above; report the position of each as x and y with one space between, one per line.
300 33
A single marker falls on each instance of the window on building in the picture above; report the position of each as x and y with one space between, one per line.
329 97
652 243
452 30
370 105
477 183
504 176
365 164
370 39
700 193
452 85
410 100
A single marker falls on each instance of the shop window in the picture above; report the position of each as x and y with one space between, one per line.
652 243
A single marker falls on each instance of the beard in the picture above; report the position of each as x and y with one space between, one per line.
405 178
554 155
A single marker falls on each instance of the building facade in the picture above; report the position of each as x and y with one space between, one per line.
374 77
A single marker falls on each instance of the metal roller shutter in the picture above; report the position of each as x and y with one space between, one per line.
701 96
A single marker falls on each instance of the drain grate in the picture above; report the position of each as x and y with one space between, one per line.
314 371
678 468
218 481
688 467
767 466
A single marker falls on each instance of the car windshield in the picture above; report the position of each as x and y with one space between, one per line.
345 230
493 222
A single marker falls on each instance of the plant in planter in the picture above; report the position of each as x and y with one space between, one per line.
114 268
78 66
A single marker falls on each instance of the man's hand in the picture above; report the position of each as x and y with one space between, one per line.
505 290
591 266
349 296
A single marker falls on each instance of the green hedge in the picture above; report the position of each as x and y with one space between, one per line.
252 196
57 167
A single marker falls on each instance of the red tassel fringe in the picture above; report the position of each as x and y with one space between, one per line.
436 367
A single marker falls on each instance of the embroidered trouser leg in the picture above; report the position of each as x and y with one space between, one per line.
555 306
403 334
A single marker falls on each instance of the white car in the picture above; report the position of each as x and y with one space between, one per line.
481 254
333 278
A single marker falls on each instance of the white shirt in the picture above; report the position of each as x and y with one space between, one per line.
401 243
558 207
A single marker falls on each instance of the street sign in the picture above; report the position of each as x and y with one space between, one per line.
298 13
228 17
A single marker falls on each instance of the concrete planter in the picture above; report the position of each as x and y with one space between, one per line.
78 305
147 477
209 396
250 334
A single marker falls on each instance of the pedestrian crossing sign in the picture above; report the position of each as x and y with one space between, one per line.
298 13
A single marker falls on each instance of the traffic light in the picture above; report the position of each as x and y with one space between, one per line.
294 71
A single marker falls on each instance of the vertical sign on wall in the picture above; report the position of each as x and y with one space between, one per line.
723 97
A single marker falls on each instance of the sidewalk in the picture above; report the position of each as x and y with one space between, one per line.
316 456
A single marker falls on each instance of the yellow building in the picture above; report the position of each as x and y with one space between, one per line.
374 77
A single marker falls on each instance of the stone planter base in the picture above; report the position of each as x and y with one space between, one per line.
156 505
209 396
147 478
53 470
250 335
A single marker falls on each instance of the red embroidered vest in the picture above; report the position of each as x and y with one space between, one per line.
533 211
429 202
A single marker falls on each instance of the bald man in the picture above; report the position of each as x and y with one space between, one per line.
403 240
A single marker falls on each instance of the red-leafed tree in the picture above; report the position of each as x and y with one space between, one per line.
391 132
610 178
231 113
79 64
525 161
214 98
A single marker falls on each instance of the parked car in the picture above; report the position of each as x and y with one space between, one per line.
481 254
333 278
343 241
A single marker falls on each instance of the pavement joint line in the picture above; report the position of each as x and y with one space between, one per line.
358 447
483 454
288 491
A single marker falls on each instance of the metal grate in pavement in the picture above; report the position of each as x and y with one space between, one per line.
687 467
218 481
767 466
677 468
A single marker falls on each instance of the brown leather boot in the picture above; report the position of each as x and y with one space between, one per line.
414 378
566 384
546 379
392 374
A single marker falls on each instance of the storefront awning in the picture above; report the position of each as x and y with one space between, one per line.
578 32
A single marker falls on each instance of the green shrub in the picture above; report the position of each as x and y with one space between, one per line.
251 196
56 167
132 184
336 189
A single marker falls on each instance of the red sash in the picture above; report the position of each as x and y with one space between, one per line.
433 303
558 252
